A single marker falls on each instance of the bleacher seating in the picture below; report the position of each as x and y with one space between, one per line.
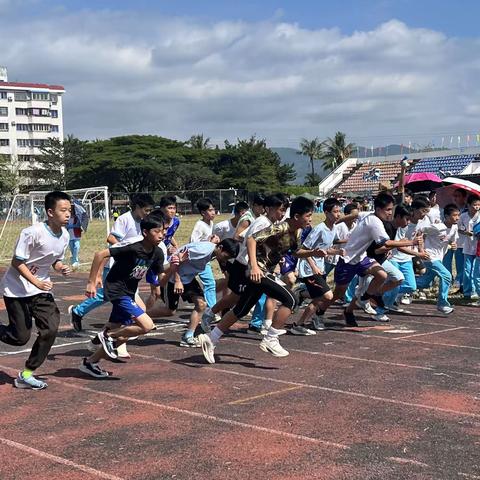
357 183
454 164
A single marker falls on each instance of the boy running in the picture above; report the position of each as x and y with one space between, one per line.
26 286
127 319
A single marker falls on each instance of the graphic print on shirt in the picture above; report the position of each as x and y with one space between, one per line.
140 269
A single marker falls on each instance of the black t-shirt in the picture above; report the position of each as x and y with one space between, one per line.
131 265
380 258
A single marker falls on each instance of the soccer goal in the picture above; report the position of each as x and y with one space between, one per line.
26 209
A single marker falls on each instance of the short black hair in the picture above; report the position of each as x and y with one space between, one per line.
230 246
432 193
152 221
408 192
239 206
402 210
285 198
419 203
382 200
349 207
449 209
258 199
141 200
301 206
329 203
167 200
274 201
204 204
52 198
472 198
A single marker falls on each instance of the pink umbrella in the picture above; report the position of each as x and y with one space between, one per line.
445 194
422 182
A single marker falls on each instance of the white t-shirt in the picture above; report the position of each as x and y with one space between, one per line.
466 223
126 227
224 229
260 223
39 248
369 229
401 234
437 239
434 215
201 232
342 233
199 255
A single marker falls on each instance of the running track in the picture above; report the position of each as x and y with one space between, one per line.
399 401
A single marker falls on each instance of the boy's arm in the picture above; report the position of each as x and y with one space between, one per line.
59 266
23 270
241 227
98 261
255 273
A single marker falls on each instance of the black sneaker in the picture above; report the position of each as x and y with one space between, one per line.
376 298
350 319
93 369
108 344
76 320
254 328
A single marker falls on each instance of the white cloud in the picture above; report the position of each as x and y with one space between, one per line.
134 73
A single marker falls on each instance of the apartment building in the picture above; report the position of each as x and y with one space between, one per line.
30 113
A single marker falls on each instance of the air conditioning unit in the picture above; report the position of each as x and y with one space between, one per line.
13 124
10 99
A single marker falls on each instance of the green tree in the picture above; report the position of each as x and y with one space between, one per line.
337 150
53 167
199 142
8 177
313 149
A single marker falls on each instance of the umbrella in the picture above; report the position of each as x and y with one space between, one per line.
445 194
422 182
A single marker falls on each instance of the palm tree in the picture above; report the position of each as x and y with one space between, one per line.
336 151
313 149
199 142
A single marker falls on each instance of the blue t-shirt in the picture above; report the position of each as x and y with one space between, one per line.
199 254
171 231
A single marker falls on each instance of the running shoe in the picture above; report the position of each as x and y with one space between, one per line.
396 309
381 317
301 330
92 369
208 348
317 323
272 345
445 310
208 317
405 299
189 341
350 319
75 319
122 351
30 383
365 306
108 344
93 344
265 327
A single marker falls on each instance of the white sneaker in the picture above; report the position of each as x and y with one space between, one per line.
396 309
265 327
317 323
365 306
474 296
122 351
405 299
475 304
445 310
75 266
301 330
422 295
207 318
208 348
272 345
381 317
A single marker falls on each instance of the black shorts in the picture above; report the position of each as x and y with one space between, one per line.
316 285
190 291
237 280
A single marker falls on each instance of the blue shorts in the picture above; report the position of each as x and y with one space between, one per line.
344 272
288 265
124 311
152 279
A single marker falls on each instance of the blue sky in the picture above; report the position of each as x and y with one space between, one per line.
382 71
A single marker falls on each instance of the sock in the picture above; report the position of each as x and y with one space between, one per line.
27 373
216 335
267 323
274 332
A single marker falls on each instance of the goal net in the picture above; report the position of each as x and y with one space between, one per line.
24 210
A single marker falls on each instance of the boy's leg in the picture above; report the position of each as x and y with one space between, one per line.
19 327
445 281
75 249
394 280
258 315
409 285
476 275
350 291
468 275
459 263
209 286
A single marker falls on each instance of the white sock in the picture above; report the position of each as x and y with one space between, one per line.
216 335
273 332
267 323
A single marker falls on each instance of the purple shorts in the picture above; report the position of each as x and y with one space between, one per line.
344 272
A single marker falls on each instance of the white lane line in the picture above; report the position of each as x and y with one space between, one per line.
328 389
59 460
409 461
430 333
203 416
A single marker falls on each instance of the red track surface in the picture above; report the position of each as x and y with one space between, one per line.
360 403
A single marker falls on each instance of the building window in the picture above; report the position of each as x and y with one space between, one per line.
54 113
26 158
4 142
21 111
3 95
33 127
22 96
3 111
3 127
40 96
54 98
54 128
36 142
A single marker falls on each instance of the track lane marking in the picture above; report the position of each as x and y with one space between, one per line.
430 333
263 395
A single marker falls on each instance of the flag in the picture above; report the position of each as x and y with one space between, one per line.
372 150
443 141
409 146
478 138
451 140
401 149
468 140
458 140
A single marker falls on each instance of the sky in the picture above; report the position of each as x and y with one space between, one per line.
382 71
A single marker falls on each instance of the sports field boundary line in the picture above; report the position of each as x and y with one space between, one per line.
326 389
191 413
59 460
429 333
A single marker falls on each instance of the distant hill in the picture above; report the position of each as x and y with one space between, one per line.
300 162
